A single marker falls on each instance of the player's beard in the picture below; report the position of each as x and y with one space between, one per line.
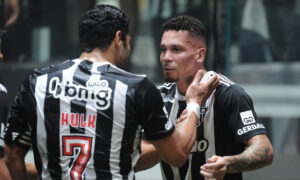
124 58
170 79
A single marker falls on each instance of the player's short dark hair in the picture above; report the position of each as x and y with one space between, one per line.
99 25
186 23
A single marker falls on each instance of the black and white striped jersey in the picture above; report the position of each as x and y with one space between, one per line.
84 120
228 118
3 115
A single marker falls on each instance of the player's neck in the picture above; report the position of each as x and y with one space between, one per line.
96 55
181 87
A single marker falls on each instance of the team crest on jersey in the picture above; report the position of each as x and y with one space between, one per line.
247 117
100 96
202 114
168 125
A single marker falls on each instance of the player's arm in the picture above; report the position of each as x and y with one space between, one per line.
18 133
175 148
149 156
14 158
31 171
259 153
4 173
12 11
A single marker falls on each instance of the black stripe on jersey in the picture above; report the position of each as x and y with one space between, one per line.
198 159
127 148
81 76
167 170
183 169
37 157
52 121
182 106
103 139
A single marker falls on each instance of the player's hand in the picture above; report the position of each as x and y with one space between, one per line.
199 92
214 169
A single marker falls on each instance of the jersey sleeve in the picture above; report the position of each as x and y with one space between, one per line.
3 117
240 115
152 112
18 130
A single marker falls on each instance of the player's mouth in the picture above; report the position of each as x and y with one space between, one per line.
168 69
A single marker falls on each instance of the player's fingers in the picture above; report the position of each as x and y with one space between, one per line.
212 82
211 166
217 82
212 159
206 174
200 73
208 170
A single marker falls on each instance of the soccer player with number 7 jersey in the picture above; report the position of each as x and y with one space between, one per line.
83 117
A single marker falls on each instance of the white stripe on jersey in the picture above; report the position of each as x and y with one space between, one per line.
135 154
225 80
67 75
25 142
40 93
208 124
119 114
92 111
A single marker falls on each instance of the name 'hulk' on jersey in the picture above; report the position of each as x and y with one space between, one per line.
228 118
84 119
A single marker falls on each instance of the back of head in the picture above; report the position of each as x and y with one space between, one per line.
99 25
186 23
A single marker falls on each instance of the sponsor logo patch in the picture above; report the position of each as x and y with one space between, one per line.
247 117
97 92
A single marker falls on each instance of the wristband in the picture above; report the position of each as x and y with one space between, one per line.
192 106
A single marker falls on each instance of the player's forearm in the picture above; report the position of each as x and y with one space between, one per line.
31 171
149 157
254 157
186 133
17 169
14 159
14 11
4 173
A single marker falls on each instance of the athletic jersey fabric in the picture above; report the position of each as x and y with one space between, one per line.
228 118
84 120
3 115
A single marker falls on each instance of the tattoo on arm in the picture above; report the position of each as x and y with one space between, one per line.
254 157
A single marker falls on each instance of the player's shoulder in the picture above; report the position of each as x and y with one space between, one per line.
119 71
229 90
53 68
131 79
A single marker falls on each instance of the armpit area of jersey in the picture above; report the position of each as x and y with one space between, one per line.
161 134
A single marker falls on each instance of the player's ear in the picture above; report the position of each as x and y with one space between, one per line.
118 38
201 52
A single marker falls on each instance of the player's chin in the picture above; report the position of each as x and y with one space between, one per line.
169 78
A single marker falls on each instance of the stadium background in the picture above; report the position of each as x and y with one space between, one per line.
255 42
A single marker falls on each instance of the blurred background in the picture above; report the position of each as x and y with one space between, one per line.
254 42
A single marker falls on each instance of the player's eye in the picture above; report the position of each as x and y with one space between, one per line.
177 50
162 49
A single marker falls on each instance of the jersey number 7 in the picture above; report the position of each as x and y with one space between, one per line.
78 147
